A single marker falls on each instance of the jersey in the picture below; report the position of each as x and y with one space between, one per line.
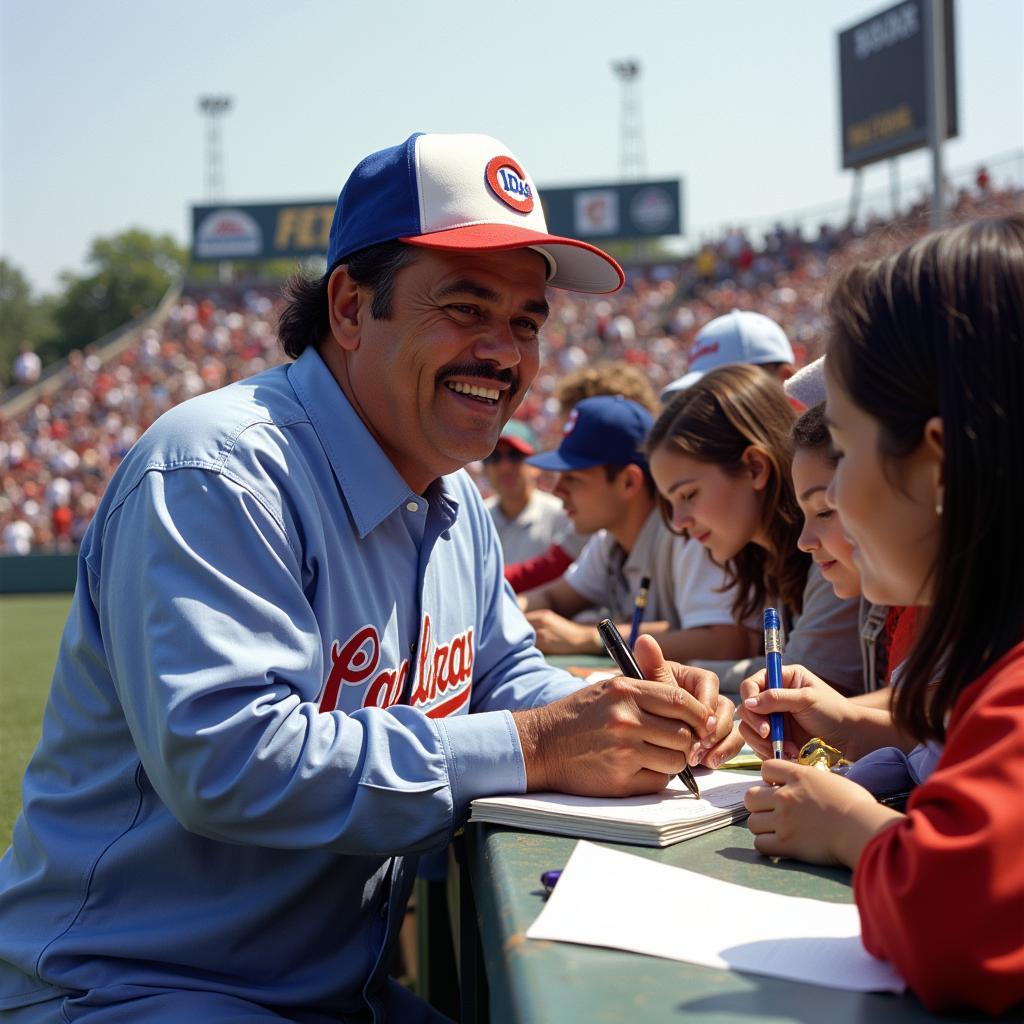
259 712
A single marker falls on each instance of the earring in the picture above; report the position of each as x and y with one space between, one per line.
938 506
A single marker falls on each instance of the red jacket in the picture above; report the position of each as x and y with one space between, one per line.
941 894
536 571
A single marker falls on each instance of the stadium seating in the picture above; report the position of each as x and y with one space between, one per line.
57 456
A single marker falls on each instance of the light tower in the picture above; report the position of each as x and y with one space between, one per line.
632 141
213 108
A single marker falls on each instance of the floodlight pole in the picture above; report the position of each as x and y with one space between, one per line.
213 109
935 91
631 151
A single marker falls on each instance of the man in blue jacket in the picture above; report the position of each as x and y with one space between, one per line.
288 603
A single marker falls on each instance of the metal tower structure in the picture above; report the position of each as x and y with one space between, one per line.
213 108
631 152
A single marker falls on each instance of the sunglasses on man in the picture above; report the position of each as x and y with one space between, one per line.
501 454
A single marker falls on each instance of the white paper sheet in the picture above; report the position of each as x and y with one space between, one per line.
608 898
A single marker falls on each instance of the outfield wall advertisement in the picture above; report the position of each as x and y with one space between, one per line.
270 231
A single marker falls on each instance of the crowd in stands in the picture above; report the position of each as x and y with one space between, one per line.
57 455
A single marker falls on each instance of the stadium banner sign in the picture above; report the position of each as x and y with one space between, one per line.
639 209
271 231
260 231
883 68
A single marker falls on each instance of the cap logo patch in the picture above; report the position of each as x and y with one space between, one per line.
570 423
508 182
706 348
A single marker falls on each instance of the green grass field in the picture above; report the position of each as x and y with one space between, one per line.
30 628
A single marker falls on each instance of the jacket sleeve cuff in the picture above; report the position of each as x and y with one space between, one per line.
484 757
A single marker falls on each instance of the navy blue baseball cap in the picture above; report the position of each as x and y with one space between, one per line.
606 430
459 193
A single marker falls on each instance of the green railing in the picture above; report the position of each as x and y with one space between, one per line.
38 574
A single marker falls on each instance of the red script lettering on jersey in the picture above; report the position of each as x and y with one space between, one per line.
444 670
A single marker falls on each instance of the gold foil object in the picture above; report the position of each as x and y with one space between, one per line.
818 754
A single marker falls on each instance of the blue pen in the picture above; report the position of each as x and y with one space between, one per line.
638 611
773 662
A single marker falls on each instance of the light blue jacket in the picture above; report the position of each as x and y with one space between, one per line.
219 799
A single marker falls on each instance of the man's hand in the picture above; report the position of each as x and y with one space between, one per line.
813 815
720 739
625 736
558 635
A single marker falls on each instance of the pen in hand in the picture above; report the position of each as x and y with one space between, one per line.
773 664
623 658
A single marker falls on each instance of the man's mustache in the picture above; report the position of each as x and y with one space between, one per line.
483 371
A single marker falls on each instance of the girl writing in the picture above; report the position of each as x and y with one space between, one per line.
720 456
924 378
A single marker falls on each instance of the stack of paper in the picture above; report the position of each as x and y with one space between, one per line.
658 820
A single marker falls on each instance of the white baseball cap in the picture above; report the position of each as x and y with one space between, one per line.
741 336
459 193
807 385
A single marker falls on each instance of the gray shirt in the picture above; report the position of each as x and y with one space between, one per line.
825 638
687 589
542 523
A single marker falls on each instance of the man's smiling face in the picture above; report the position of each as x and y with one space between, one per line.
437 380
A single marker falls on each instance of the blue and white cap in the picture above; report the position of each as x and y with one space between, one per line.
741 336
459 193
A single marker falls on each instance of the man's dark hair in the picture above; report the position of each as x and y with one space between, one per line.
810 432
305 321
612 472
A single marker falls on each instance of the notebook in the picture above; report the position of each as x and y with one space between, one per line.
660 819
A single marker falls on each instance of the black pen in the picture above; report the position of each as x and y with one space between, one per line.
620 654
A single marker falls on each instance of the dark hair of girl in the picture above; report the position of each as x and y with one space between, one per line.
716 420
305 321
810 432
938 330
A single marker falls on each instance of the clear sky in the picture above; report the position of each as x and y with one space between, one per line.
100 127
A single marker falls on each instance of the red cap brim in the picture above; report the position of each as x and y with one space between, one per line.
518 443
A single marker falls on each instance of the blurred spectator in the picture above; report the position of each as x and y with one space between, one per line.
528 519
738 337
27 367
17 537
606 377
606 486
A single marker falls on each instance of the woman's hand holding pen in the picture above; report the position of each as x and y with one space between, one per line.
813 815
812 708
625 736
